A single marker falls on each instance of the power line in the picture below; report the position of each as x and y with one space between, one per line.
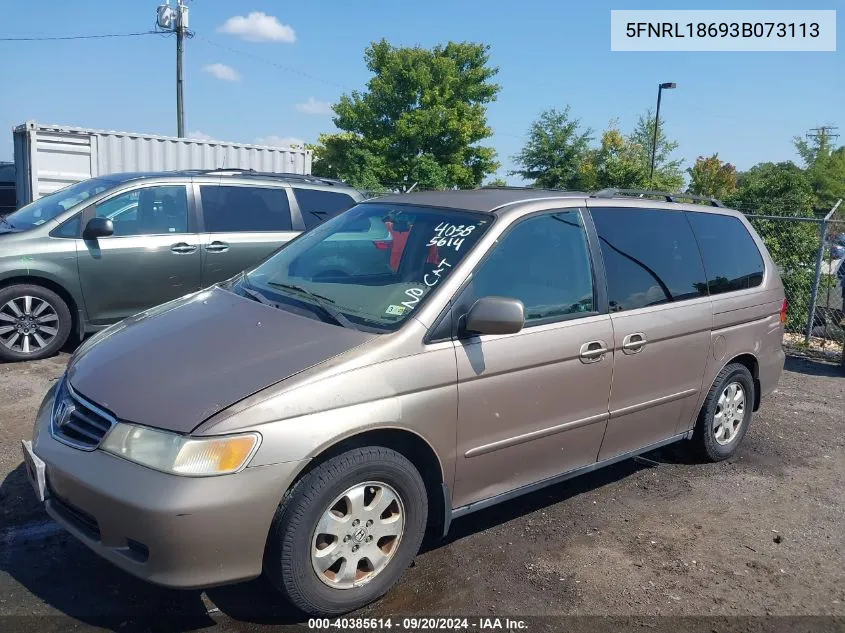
271 63
824 131
78 37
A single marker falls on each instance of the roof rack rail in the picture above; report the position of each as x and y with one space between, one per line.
268 174
648 193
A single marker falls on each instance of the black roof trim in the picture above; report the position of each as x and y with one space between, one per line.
648 193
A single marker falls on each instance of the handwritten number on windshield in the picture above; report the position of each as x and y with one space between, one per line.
452 235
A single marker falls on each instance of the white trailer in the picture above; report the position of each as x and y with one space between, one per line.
49 157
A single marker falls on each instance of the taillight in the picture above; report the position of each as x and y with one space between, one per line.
382 245
783 308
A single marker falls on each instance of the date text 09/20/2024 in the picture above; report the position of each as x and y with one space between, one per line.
419 624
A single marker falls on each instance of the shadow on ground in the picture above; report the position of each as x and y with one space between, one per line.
814 367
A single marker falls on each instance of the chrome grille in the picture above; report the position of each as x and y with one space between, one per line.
77 422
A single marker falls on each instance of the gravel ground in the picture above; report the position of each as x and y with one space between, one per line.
759 535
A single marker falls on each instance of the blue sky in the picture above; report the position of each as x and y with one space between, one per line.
746 106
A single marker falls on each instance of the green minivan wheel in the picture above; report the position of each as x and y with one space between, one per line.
35 322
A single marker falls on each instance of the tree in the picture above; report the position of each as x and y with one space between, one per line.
712 177
825 167
624 162
774 189
615 163
496 182
784 189
420 120
668 173
345 156
554 152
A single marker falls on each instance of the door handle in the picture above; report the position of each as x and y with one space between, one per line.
634 343
183 248
593 351
217 247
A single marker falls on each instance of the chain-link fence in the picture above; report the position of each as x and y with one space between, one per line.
809 254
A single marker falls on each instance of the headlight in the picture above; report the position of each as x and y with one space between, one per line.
180 455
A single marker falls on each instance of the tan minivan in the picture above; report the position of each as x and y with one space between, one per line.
312 421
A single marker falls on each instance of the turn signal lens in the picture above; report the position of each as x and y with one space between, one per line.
178 454
783 308
224 455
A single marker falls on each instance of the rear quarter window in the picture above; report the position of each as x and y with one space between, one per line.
731 258
318 205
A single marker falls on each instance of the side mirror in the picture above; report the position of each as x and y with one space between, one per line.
98 227
495 315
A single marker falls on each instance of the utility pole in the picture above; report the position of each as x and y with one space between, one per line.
827 132
176 20
180 40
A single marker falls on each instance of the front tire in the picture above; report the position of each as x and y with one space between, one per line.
346 531
35 322
725 414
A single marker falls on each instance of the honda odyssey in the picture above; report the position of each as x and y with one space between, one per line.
311 423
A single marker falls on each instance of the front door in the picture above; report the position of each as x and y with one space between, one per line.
661 322
534 404
242 225
152 257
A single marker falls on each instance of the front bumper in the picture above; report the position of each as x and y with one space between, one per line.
174 531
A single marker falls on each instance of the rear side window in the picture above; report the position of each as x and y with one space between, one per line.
318 205
731 258
230 209
650 256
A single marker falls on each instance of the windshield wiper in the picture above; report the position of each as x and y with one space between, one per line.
259 297
6 222
322 302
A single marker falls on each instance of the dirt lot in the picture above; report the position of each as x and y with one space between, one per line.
761 534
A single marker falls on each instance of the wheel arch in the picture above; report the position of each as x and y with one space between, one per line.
59 289
753 365
415 449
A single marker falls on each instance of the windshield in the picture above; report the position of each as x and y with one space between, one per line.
370 267
46 208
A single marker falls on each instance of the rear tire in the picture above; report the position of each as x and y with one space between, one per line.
35 322
725 414
333 515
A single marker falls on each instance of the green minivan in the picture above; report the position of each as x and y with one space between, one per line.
88 255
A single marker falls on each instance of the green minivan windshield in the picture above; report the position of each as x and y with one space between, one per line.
370 267
48 207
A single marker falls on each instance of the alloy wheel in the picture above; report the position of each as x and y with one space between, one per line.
730 412
358 535
27 324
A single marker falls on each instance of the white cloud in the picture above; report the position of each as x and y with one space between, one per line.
279 141
222 71
313 106
200 136
258 27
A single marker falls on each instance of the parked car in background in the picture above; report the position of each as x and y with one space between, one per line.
313 422
7 188
106 248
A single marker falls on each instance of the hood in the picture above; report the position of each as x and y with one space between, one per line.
174 366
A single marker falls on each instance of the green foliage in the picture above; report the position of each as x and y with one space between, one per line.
825 167
419 121
712 177
554 152
783 189
624 162
496 182
668 173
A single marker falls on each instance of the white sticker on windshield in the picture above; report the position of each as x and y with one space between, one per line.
395 310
